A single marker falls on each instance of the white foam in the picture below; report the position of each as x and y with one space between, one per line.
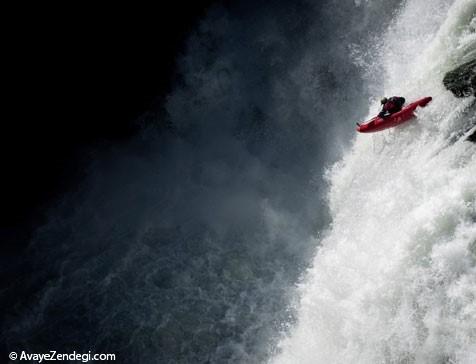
395 278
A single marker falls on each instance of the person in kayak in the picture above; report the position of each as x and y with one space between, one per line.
391 105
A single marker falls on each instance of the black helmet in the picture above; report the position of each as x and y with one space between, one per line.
384 100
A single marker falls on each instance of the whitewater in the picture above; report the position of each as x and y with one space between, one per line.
394 277
250 223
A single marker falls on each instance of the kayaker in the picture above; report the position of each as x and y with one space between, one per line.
391 105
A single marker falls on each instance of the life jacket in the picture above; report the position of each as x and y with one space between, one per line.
394 104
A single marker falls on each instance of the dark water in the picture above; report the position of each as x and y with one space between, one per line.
184 245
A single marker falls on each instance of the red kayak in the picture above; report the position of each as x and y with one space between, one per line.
406 113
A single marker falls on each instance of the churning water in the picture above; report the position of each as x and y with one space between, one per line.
395 278
185 245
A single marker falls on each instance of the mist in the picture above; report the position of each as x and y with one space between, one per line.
186 243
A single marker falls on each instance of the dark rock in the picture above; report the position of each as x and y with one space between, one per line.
462 80
472 137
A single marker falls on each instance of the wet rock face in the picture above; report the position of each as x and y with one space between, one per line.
462 80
